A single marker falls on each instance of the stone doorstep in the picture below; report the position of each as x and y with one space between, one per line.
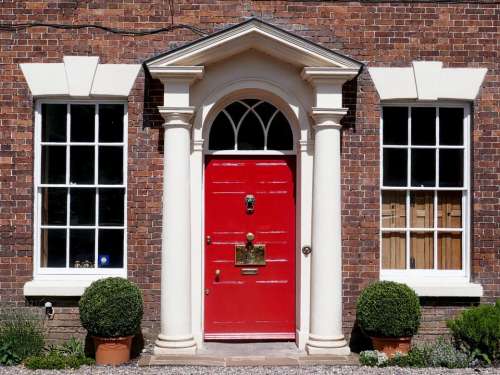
227 361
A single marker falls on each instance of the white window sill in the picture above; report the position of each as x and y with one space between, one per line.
442 288
56 288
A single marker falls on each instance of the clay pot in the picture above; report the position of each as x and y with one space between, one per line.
392 345
112 351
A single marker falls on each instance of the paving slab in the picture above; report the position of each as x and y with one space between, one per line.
248 354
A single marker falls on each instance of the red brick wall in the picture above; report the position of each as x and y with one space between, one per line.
379 34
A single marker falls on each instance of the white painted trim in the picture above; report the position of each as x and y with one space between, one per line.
80 76
427 80
437 287
66 276
259 35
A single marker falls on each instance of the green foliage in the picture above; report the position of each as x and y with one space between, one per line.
477 330
388 309
56 361
442 353
21 335
7 355
111 307
72 347
372 358
67 355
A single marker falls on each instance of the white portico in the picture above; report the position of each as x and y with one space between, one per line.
304 80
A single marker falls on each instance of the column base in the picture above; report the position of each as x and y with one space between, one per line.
174 345
324 345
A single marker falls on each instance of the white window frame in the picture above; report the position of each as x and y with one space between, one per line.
434 276
51 273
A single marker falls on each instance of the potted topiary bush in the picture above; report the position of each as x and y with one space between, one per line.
389 313
111 311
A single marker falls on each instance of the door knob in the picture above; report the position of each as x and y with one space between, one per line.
217 275
250 236
209 240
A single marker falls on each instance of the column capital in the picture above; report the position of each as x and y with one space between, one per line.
177 73
327 117
324 75
176 116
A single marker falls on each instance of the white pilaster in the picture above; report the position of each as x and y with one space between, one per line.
326 336
176 336
325 328
176 331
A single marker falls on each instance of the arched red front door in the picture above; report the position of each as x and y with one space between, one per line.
249 285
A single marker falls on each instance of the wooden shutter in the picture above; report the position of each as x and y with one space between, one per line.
450 209
422 250
450 216
393 250
422 209
394 209
450 251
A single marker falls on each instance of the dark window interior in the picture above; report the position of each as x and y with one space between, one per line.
395 125
451 126
82 123
423 126
54 122
395 167
423 167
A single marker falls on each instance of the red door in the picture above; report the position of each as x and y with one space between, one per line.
245 299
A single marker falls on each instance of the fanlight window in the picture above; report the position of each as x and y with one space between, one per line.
250 124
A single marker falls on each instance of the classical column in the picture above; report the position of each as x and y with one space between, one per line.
176 331
326 336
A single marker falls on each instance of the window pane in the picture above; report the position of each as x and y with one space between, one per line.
53 164
82 123
221 134
279 136
395 125
250 134
449 209
451 168
81 248
82 208
110 165
53 248
395 167
450 251
54 206
236 111
111 122
422 250
451 126
265 111
423 126
423 167
82 164
393 250
53 122
111 206
110 248
422 209
394 209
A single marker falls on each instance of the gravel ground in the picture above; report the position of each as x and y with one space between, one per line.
132 369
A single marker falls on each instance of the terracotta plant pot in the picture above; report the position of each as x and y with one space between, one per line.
392 345
112 351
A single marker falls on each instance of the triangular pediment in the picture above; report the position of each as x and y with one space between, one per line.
253 34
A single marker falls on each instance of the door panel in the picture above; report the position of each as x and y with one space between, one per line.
250 306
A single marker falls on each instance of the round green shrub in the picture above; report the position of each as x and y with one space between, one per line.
388 309
478 330
111 307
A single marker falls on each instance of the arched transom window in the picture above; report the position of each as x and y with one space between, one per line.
250 124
